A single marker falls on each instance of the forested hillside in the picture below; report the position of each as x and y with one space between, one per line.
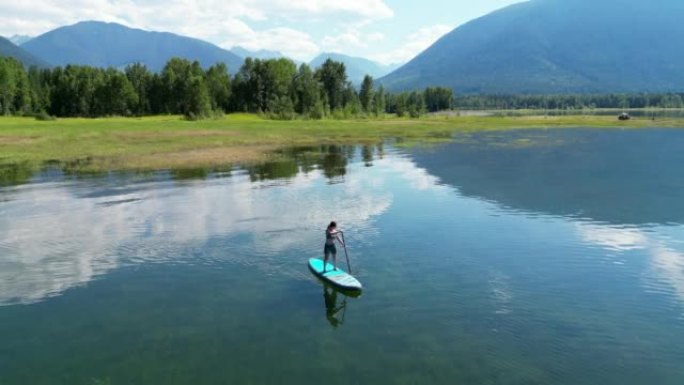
557 46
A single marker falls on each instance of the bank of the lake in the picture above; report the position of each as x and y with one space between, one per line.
169 142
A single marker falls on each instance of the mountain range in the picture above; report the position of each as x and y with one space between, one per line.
557 46
113 45
357 68
102 44
7 48
19 39
533 47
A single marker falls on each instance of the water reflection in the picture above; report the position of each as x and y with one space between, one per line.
58 235
284 169
470 288
191 174
367 154
335 309
15 173
332 160
666 264
608 175
335 161
335 301
620 188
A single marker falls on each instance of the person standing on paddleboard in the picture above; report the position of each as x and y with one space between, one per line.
331 235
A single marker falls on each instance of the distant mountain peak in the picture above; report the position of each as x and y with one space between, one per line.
357 67
258 54
19 39
109 44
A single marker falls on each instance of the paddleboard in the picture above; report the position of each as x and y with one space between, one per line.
338 277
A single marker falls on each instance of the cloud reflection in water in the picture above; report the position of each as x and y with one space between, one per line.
55 237
667 263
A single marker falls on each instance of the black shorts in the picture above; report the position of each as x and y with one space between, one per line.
329 249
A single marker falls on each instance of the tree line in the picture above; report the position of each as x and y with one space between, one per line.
569 102
274 87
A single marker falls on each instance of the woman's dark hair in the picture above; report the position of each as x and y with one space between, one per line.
332 224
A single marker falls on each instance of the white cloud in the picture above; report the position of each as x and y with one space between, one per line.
415 44
292 43
198 18
352 38
369 9
223 22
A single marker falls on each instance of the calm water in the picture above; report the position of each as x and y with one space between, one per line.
530 257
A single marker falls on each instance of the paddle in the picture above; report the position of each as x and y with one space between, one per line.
344 244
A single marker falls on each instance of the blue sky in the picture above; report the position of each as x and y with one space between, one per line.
388 31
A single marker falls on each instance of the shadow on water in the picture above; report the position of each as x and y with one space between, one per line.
606 175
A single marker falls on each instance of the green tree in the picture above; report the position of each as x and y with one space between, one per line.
282 108
218 83
40 89
261 84
439 99
185 89
141 80
114 95
275 79
333 77
243 95
15 91
197 103
73 90
366 94
379 102
416 104
306 93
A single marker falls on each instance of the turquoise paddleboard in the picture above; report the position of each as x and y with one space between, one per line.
337 277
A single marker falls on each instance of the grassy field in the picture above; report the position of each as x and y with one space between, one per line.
163 142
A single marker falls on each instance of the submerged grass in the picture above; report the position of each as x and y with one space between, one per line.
174 143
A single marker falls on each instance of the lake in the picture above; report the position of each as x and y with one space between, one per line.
513 257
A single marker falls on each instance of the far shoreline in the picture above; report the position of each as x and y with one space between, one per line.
170 142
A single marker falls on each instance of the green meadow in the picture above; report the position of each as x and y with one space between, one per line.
170 142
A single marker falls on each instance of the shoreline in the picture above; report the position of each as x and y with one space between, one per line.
169 142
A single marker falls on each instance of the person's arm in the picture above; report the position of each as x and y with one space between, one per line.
337 235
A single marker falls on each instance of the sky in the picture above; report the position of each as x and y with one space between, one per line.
387 31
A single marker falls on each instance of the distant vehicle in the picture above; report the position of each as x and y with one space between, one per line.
624 116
